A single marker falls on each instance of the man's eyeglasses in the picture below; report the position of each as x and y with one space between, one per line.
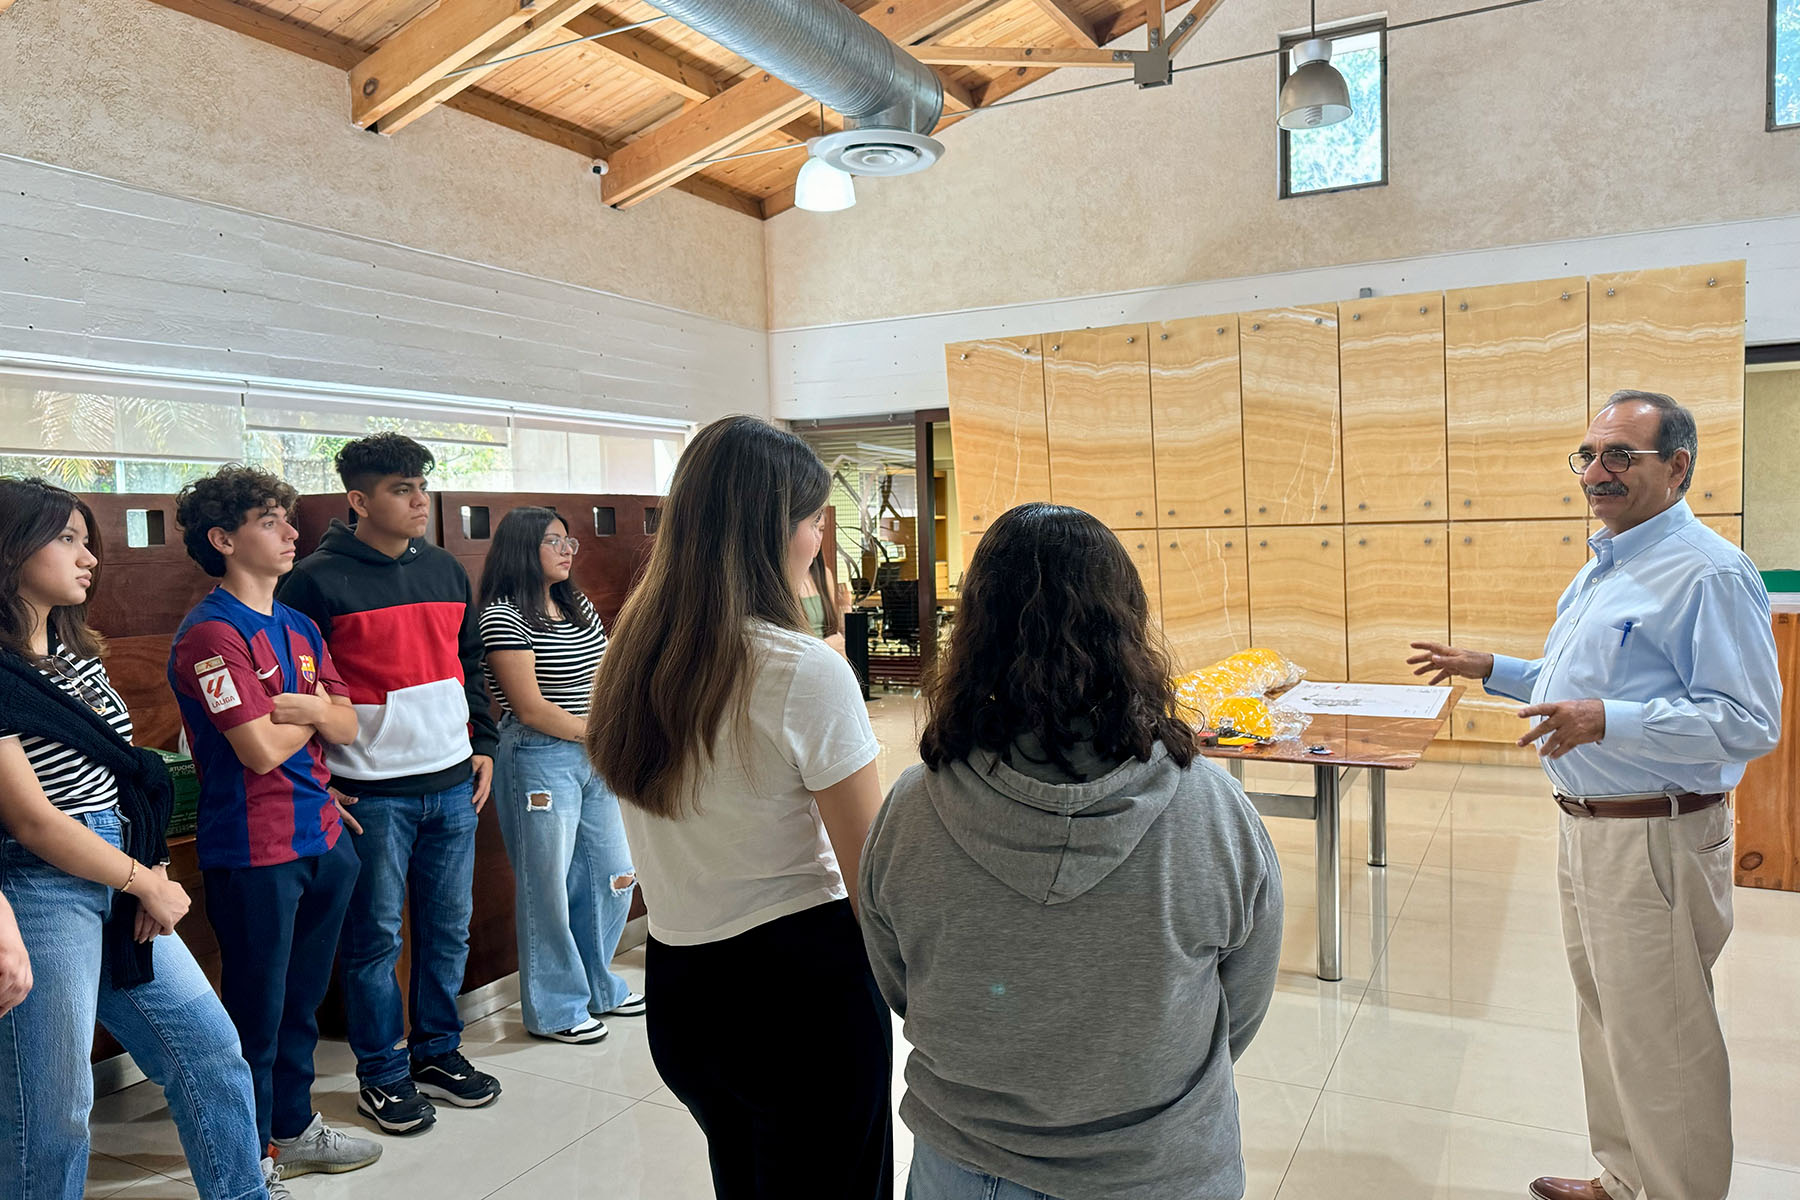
86 689
563 543
1615 460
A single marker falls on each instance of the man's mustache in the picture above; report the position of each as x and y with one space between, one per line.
1608 488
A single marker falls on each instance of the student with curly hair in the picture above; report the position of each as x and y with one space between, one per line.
1061 838
399 616
260 699
82 854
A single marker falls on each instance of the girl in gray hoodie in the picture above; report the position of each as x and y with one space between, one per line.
1063 842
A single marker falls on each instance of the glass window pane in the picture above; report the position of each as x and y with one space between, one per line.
1349 153
1786 81
105 417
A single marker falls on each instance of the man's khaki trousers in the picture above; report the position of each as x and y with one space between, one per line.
1646 907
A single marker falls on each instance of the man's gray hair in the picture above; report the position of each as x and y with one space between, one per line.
1676 431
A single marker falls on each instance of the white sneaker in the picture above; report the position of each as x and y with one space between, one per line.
588 1032
272 1180
324 1150
631 1006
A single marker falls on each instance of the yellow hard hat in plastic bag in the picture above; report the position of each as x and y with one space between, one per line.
1246 714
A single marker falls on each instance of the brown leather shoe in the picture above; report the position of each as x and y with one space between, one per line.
1548 1188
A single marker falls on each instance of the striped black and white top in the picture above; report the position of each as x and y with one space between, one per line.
567 656
75 784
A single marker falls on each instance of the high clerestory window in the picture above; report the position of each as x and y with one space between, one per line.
1784 64
1351 153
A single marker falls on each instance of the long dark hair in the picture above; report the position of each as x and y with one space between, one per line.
821 581
680 656
32 514
514 572
1052 638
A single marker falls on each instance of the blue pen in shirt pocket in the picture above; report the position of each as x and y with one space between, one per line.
1625 627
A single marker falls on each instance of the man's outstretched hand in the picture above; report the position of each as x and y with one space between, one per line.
1448 661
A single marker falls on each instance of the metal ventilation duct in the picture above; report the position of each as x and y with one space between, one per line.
825 50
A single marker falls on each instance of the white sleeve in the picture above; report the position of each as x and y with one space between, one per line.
824 722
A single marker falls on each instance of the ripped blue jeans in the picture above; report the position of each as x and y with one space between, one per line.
567 846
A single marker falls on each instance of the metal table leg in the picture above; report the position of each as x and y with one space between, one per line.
1377 817
1236 767
1325 850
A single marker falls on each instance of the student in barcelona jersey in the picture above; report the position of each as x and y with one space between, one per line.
260 698
82 848
398 616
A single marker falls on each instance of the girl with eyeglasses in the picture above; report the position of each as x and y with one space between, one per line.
82 854
571 865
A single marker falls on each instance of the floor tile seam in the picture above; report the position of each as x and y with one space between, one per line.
1765 1165
1288 1167
148 1173
1499 1008
578 1137
1455 1112
507 1066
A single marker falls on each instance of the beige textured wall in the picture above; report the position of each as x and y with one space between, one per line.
1567 118
1772 468
139 93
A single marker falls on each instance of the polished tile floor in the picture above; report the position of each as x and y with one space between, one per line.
1443 1066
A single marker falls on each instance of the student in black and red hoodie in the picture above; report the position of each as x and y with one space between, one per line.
398 617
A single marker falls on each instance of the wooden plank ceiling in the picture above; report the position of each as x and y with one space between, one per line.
655 102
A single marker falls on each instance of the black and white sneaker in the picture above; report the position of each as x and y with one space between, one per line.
585 1034
451 1078
397 1108
631 1006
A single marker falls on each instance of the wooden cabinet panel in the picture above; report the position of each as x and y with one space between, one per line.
1097 408
1197 413
1206 594
1141 545
1767 803
1289 370
1396 592
997 420
1480 717
1505 580
1731 528
1297 596
1391 380
1680 331
1515 398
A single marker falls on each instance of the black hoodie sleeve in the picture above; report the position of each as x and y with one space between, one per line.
484 738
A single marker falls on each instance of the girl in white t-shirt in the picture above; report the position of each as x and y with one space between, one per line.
742 752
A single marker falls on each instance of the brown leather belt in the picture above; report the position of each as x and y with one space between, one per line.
1658 806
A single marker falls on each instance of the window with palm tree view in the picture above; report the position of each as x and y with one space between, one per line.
1351 153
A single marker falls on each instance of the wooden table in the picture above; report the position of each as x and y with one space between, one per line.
1767 804
1373 744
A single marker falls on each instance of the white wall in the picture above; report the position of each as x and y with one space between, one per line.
97 271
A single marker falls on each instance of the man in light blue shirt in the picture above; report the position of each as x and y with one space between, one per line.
1657 685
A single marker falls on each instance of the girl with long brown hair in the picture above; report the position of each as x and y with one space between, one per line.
82 815
1061 837
743 754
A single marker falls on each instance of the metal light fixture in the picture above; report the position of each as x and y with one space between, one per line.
1314 94
821 187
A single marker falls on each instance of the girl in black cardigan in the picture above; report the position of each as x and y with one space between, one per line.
82 815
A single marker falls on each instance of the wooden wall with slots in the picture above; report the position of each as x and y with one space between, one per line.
1337 480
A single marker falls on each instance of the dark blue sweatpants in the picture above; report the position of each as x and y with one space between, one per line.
278 933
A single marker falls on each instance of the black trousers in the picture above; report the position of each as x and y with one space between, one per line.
790 1088
278 933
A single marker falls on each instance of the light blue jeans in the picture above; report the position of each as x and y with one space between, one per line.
934 1177
567 846
174 1028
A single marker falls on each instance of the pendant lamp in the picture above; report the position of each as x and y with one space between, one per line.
1314 94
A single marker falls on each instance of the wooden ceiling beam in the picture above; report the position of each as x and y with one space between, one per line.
1190 24
1017 56
632 53
1072 22
750 108
297 39
957 98
535 34
436 42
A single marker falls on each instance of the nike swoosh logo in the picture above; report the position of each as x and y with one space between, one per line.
267 673
381 1102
